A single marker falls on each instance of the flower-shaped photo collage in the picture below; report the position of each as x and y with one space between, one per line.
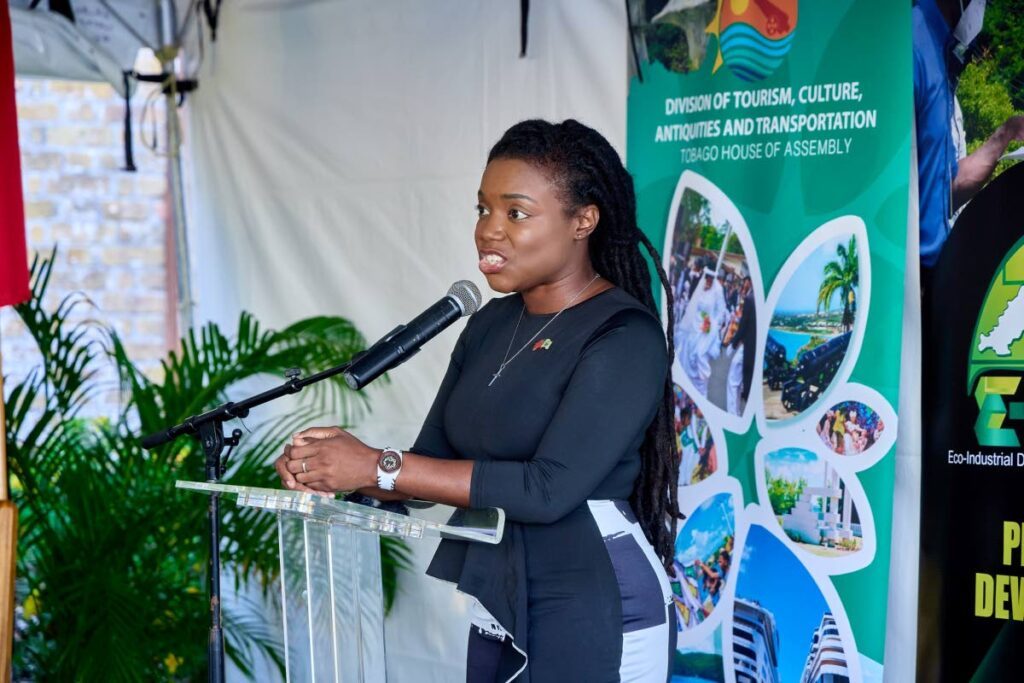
754 564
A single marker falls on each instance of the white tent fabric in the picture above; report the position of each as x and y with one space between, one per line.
103 41
47 45
336 150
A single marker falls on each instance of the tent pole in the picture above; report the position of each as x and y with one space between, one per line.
168 53
4 492
8 548
182 260
169 50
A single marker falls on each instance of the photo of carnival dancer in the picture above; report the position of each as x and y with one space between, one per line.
698 457
701 330
710 275
703 559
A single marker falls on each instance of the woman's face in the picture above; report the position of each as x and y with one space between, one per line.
523 236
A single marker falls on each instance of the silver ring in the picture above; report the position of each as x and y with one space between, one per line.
304 470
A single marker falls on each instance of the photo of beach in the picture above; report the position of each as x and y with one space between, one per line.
699 662
811 329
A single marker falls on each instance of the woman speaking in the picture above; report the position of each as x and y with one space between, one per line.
557 408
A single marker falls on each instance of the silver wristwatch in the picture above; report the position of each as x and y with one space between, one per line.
389 464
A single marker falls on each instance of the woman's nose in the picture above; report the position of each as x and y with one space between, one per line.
490 229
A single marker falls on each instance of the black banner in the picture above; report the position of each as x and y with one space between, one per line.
971 625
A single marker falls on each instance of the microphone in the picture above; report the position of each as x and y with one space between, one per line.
402 343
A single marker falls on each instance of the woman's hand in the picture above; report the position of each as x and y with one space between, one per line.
327 459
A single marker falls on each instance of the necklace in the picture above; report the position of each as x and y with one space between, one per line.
506 360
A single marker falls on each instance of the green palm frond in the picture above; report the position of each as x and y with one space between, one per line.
198 376
825 293
395 557
66 352
247 635
841 276
112 556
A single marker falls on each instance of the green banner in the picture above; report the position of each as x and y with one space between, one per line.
770 145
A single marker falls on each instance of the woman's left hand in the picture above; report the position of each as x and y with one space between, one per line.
331 459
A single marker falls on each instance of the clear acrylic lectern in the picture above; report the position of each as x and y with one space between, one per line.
333 606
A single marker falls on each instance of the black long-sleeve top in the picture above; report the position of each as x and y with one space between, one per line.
562 424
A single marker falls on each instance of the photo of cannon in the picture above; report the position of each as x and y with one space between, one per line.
813 373
811 327
776 367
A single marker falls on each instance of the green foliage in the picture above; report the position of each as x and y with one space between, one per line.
710 238
991 89
678 40
734 246
849 544
985 101
1001 42
842 277
702 665
112 556
694 228
986 105
694 214
798 537
814 342
782 493
666 43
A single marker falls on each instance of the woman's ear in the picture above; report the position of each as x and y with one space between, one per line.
586 221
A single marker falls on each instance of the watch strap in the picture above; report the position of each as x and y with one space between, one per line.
389 465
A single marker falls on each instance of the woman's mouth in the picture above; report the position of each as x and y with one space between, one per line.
491 262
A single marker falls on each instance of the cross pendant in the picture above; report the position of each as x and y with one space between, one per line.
494 378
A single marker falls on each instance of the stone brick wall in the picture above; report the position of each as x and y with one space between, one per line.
110 226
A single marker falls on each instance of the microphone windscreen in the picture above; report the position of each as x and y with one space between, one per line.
467 295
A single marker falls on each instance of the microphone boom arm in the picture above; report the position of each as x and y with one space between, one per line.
240 409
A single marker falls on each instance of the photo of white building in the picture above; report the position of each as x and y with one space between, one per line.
826 661
824 513
822 518
755 643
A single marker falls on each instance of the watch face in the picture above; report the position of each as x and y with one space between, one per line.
389 462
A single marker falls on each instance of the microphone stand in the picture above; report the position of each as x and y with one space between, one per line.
209 427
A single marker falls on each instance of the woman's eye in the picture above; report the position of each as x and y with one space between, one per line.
517 215
481 211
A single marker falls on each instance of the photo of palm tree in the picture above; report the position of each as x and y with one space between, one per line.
811 328
841 276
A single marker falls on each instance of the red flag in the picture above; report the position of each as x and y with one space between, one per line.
13 256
